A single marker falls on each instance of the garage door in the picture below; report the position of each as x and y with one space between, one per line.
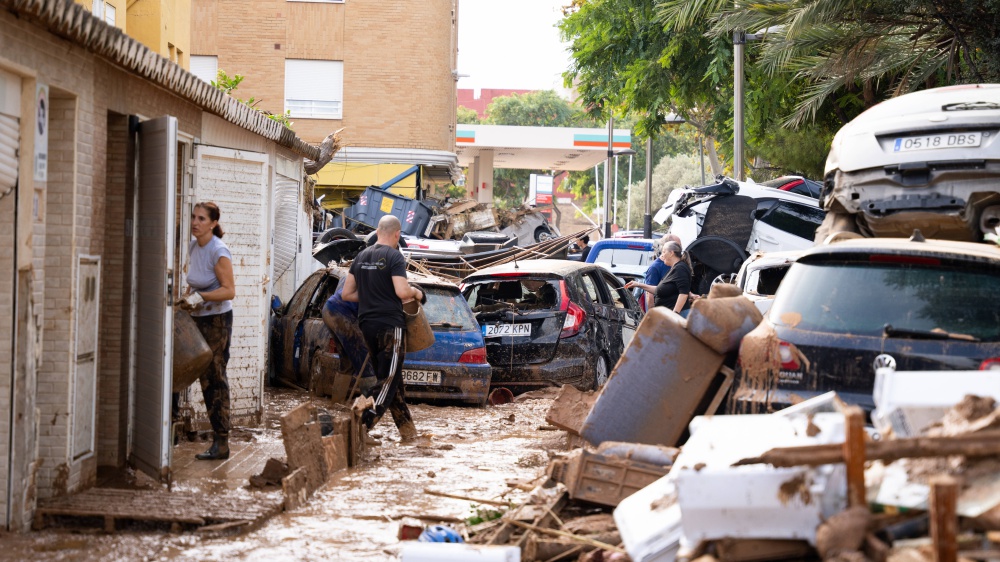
286 218
9 135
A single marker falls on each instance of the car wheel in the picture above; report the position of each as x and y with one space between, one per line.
600 372
373 237
337 234
542 234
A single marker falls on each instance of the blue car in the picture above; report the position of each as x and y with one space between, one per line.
626 258
305 355
455 366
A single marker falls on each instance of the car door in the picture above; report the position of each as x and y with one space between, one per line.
605 315
287 325
785 226
623 315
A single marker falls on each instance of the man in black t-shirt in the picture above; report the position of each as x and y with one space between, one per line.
377 282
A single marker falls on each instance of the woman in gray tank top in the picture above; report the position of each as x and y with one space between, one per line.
209 298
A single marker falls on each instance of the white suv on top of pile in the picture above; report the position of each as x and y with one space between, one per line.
927 160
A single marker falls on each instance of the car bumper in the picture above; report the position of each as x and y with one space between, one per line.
572 365
465 382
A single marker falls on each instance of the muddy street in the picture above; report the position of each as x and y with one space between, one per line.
471 452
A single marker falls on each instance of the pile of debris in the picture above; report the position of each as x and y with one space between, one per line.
807 482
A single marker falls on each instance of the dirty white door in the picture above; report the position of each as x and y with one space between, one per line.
88 291
10 88
154 227
237 181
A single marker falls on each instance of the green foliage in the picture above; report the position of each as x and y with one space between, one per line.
467 116
228 84
481 514
802 152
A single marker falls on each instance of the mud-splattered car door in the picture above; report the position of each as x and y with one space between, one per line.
625 312
607 328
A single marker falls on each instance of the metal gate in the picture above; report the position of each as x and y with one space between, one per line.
286 220
154 227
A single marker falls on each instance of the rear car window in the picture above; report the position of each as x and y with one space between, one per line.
799 220
624 256
522 293
861 299
448 306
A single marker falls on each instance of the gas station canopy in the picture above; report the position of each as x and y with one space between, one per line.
538 148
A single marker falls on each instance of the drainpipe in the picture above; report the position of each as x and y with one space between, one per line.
13 376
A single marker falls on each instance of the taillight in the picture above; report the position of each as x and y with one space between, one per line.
575 316
786 353
991 364
331 346
510 274
477 355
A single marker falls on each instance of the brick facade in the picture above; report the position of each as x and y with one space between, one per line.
399 91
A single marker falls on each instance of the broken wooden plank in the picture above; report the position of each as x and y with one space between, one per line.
983 444
854 455
570 536
466 498
944 519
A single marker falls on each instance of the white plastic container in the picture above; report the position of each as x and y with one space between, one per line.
718 500
460 552
910 401
705 497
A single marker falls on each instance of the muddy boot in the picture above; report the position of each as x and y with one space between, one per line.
408 431
218 451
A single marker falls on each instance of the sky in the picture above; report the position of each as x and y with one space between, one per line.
511 44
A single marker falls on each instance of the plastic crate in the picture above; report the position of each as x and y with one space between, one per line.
375 203
602 479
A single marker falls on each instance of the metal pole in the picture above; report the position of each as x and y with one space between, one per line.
739 42
647 219
616 190
597 183
701 149
628 217
607 177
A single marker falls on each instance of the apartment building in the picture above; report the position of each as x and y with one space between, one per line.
385 72
162 25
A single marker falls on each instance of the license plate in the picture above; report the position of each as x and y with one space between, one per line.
942 140
421 377
498 330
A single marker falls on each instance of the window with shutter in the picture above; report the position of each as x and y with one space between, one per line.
314 89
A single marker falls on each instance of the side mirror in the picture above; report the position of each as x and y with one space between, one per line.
276 305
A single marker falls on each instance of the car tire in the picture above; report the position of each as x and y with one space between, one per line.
337 234
373 237
543 234
601 372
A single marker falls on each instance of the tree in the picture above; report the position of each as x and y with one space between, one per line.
467 116
843 57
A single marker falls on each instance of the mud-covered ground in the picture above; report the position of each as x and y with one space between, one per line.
472 452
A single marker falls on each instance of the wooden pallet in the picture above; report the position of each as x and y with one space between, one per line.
215 511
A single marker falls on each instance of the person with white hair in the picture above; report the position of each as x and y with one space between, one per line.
377 282
656 270
674 290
